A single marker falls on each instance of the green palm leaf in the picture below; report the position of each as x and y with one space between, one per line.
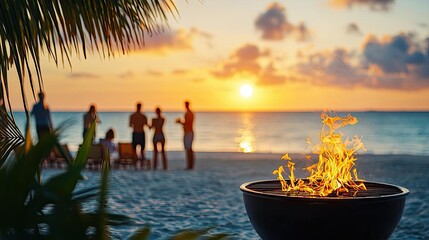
102 232
195 234
17 177
141 234
63 184
10 135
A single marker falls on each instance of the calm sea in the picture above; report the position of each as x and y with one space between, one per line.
275 132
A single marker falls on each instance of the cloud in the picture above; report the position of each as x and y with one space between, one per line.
423 25
301 32
127 74
270 76
180 72
391 62
198 80
274 25
353 28
375 5
398 57
243 60
154 73
246 60
173 41
397 54
331 68
78 75
426 40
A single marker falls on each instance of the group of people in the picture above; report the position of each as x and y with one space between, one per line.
137 121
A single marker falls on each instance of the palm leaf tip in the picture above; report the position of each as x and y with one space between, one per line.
141 234
191 234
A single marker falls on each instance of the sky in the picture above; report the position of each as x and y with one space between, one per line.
306 55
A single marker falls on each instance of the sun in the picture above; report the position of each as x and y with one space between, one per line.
246 90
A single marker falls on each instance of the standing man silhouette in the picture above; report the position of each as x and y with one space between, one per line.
188 138
42 115
137 122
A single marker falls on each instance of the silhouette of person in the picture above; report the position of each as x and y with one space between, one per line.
188 137
88 118
137 121
158 138
42 115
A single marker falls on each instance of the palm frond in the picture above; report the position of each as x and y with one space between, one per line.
64 184
191 234
102 232
17 176
10 135
63 28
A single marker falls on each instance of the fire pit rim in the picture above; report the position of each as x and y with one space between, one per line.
245 189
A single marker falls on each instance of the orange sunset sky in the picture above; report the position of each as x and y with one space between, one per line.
301 55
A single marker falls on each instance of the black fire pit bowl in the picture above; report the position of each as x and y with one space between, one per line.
371 214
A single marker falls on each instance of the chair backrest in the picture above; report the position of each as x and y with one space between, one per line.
125 151
95 152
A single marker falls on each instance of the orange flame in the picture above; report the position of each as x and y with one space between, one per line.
334 172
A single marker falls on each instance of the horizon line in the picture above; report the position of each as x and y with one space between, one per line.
248 111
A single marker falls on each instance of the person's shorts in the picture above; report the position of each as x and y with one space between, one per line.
159 138
188 139
139 139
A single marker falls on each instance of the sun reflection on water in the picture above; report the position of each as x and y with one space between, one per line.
246 137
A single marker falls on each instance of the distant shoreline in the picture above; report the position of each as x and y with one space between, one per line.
210 155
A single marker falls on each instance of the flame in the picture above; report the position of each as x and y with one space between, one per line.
335 171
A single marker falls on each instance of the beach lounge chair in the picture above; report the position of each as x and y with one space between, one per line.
61 156
128 157
95 156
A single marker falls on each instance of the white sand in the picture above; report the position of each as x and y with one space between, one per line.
209 195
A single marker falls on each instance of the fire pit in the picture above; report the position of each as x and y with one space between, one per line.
370 214
332 202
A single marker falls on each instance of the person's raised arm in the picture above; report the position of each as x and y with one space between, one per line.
150 126
97 118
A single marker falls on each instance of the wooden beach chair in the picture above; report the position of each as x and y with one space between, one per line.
61 156
95 156
127 156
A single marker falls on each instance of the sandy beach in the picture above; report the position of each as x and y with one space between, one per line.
209 196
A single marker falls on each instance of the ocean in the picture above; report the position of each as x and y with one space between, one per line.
261 132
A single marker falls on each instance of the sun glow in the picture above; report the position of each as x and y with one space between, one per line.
246 90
